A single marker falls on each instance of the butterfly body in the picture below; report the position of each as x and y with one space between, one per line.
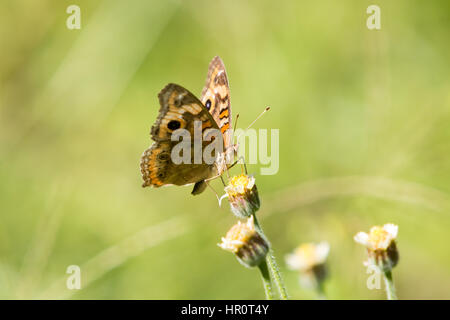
180 109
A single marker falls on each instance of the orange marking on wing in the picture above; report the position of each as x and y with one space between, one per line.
225 127
206 124
150 169
224 114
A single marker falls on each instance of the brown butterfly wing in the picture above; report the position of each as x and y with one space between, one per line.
158 170
216 98
179 109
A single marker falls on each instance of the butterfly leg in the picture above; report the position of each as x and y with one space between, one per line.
228 172
223 182
228 168
233 164
217 195
243 164
220 175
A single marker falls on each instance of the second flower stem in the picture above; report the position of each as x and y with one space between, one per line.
266 280
272 265
390 288
276 275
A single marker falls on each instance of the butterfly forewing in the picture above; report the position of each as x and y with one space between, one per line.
216 98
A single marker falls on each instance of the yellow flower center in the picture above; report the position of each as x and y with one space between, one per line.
239 234
377 236
240 180
238 185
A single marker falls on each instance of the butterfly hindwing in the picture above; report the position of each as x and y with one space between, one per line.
158 170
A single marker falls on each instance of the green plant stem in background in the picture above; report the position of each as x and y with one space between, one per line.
272 265
266 280
390 288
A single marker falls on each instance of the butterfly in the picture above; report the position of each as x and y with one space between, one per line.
180 109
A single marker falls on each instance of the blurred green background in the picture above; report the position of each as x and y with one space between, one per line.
364 139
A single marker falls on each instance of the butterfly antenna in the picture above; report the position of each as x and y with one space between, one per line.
265 110
235 123
251 124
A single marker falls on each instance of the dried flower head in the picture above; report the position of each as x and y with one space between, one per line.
381 246
243 195
309 259
246 243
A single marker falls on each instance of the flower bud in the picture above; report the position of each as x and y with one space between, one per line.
242 195
246 243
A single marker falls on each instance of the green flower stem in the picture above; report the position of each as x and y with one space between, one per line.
266 280
276 275
272 265
321 291
390 288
